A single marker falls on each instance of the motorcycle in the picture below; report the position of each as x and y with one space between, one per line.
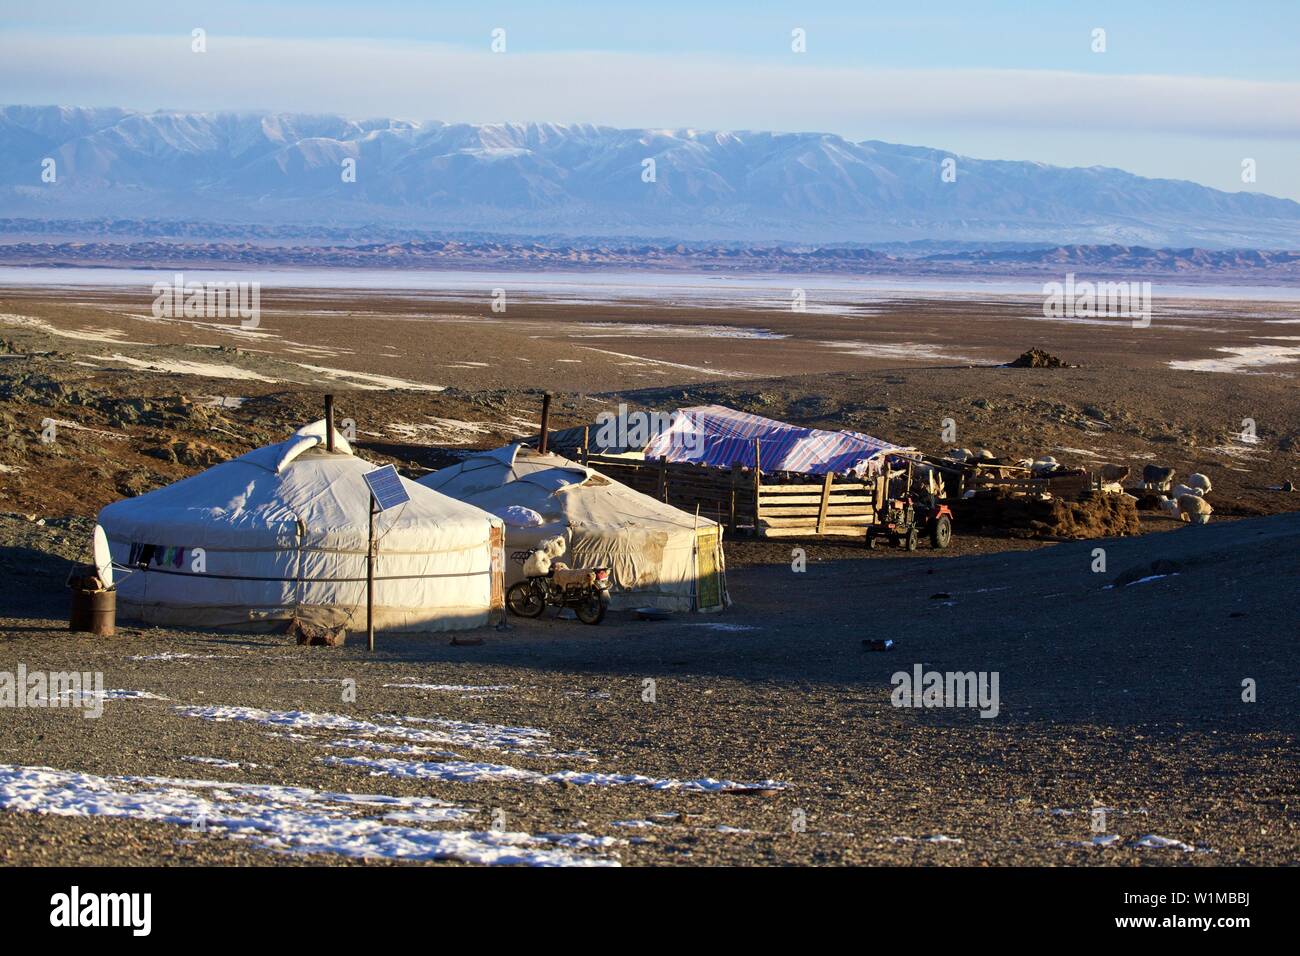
585 590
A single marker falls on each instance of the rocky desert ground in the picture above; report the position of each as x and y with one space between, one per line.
769 735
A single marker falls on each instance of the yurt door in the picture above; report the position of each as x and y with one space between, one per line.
708 570
498 539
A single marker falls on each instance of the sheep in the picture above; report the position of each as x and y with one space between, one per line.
1157 477
960 454
1181 489
1170 507
1195 509
539 563
1200 482
983 454
928 478
1042 467
1112 479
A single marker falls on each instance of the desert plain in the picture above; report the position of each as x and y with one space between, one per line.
1123 734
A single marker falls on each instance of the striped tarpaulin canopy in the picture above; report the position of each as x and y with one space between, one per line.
721 436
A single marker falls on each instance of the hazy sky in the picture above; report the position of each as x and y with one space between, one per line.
1184 90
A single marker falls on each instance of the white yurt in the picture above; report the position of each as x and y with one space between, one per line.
660 556
281 533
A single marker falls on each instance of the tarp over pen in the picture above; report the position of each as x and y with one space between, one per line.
723 437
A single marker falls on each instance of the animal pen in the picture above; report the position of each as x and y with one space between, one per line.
769 505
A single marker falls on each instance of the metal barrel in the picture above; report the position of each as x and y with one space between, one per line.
94 612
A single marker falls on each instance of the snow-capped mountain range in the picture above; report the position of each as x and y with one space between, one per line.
555 179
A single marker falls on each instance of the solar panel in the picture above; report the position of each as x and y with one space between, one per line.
386 485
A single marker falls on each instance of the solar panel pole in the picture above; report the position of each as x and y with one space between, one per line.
543 443
370 579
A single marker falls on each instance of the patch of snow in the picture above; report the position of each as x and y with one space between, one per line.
897 350
641 360
470 772
454 733
1243 359
366 381
456 688
110 336
217 762
285 819
1154 842
184 367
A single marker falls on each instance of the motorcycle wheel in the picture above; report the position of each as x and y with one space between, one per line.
523 599
941 532
593 607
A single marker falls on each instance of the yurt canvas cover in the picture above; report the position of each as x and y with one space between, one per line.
723 437
281 533
659 556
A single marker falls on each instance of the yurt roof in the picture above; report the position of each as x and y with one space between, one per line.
288 492
555 487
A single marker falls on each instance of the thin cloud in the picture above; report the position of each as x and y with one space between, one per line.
421 81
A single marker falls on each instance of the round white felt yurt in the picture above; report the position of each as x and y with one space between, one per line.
281 533
659 556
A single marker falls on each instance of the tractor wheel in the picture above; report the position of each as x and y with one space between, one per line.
912 539
941 532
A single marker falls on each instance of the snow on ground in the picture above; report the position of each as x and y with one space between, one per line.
453 431
460 771
78 427
290 819
1243 359
217 762
114 694
183 367
1154 842
87 334
1150 841
379 746
453 733
363 380
897 350
456 688
640 360
610 330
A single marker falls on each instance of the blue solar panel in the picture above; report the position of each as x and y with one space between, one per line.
386 485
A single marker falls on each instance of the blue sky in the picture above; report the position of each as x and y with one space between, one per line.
1183 90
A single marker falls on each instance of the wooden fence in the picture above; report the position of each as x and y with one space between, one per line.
741 499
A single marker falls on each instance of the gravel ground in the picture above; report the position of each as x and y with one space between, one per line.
1126 698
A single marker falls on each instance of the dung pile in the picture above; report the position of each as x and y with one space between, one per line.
1037 358
1092 515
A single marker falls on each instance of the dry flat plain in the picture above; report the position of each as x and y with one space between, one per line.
767 733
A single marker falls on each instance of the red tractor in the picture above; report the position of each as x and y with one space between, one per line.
903 520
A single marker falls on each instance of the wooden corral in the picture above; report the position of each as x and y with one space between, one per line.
770 505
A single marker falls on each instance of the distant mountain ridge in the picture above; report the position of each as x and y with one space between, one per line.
1185 265
580 179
